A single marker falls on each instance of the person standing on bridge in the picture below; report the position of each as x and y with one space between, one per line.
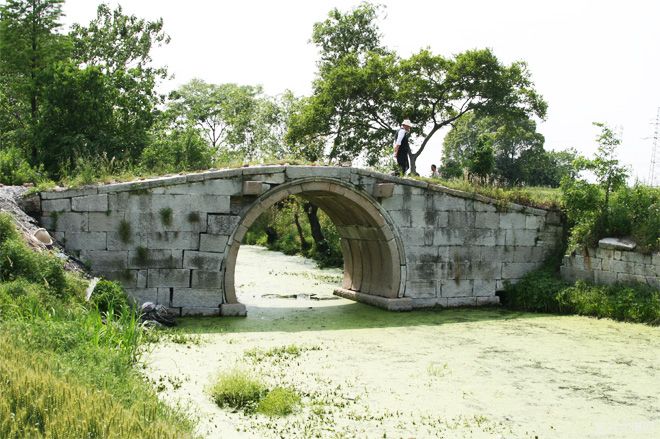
402 147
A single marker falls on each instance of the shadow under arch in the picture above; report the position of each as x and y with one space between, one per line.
374 267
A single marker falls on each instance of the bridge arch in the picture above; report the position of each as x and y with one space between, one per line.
372 250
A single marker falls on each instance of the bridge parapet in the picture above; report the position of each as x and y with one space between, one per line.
406 243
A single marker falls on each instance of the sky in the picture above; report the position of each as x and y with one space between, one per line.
591 60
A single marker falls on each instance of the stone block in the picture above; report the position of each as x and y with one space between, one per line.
116 242
67 222
270 178
86 241
297 172
533 222
393 203
173 277
57 205
197 298
449 236
105 260
415 236
233 310
483 237
212 243
142 276
445 202
383 190
200 311
488 300
521 237
206 261
516 270
173 240
402 218
222 224
462 219
254 188
484 287
206 279
453 288
204 187
105 222
512 221
90 203
68 193
422 288
148 258
487 220
461 301
617 244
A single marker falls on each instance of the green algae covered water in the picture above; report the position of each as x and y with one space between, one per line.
365 372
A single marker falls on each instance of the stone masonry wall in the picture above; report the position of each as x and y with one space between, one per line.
166 239
606 267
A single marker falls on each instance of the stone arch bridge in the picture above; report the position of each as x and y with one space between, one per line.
405 243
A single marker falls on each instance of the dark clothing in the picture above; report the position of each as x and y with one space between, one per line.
402 154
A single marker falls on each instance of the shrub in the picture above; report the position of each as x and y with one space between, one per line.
15 169
635 212
237 389
181 150
109 296
543 291
537 291
279 402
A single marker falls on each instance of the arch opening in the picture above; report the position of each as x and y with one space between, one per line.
371 251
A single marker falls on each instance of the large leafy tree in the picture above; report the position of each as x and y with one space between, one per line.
29 45
363 91
238 121
120 46
515 143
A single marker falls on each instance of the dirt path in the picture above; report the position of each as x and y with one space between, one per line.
364 372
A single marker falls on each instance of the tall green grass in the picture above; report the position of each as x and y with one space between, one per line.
544 291
67 366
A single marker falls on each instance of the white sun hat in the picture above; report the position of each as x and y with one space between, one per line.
407 122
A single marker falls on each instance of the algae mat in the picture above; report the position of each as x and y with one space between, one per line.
364 372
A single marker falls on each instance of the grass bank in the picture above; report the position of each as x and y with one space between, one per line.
68 366
544 291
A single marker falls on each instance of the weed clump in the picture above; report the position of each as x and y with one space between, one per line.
279 402
166 216
239 390
109 296
125 231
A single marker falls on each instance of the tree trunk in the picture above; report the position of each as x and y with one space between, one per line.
317 234
304 245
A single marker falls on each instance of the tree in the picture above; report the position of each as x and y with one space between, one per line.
29 45
120 47
481 161
363 90
517 145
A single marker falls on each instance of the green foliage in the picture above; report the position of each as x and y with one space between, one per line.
238 389
280 401
363 90
108 297
125 231
18 261
15 168
176 151
165 216
481 161
544 291
278 230
608 207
